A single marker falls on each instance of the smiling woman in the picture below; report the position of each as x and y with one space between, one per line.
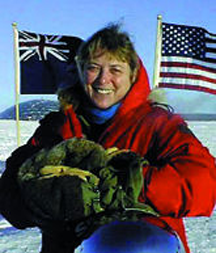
110 106
107 66
107 80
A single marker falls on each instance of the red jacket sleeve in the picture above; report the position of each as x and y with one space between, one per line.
182 180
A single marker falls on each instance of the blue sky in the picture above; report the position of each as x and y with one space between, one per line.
83 17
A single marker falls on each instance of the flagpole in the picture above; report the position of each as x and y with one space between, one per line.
157 59
17 80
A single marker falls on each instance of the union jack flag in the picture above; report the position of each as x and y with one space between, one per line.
188 58
44 60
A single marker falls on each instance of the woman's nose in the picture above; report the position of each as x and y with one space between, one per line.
104 77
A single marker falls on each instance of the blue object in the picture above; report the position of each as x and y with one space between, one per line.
100 116
131 237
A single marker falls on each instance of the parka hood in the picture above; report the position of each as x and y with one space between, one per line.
139 92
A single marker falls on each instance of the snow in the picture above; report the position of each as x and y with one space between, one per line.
201 231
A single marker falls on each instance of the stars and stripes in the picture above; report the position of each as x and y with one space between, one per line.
188 58
44 60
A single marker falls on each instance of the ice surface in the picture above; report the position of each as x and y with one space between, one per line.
201 231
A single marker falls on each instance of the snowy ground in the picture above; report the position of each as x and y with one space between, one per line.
201 231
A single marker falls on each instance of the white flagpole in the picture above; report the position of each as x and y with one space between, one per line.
17 80
157 52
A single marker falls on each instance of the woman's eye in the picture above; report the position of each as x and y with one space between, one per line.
115 70
93 68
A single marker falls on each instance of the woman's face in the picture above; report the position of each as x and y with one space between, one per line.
106 80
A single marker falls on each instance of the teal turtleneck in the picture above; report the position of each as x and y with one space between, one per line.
100 116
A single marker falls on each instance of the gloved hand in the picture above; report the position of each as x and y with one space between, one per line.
122 180
78 178
59 184
74 153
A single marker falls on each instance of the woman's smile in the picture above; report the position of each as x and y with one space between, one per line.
106 80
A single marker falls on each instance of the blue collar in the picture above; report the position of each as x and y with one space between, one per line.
100 116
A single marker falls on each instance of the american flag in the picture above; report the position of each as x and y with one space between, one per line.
188 58
44 60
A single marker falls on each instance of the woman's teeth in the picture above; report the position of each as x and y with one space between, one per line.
103 91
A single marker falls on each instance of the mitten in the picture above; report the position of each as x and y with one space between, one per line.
60 184
128 167
121 182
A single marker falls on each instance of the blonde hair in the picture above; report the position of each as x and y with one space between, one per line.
112 40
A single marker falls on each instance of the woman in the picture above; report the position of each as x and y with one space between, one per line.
111 107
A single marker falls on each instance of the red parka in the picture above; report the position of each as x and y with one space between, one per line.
179 181
181 178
